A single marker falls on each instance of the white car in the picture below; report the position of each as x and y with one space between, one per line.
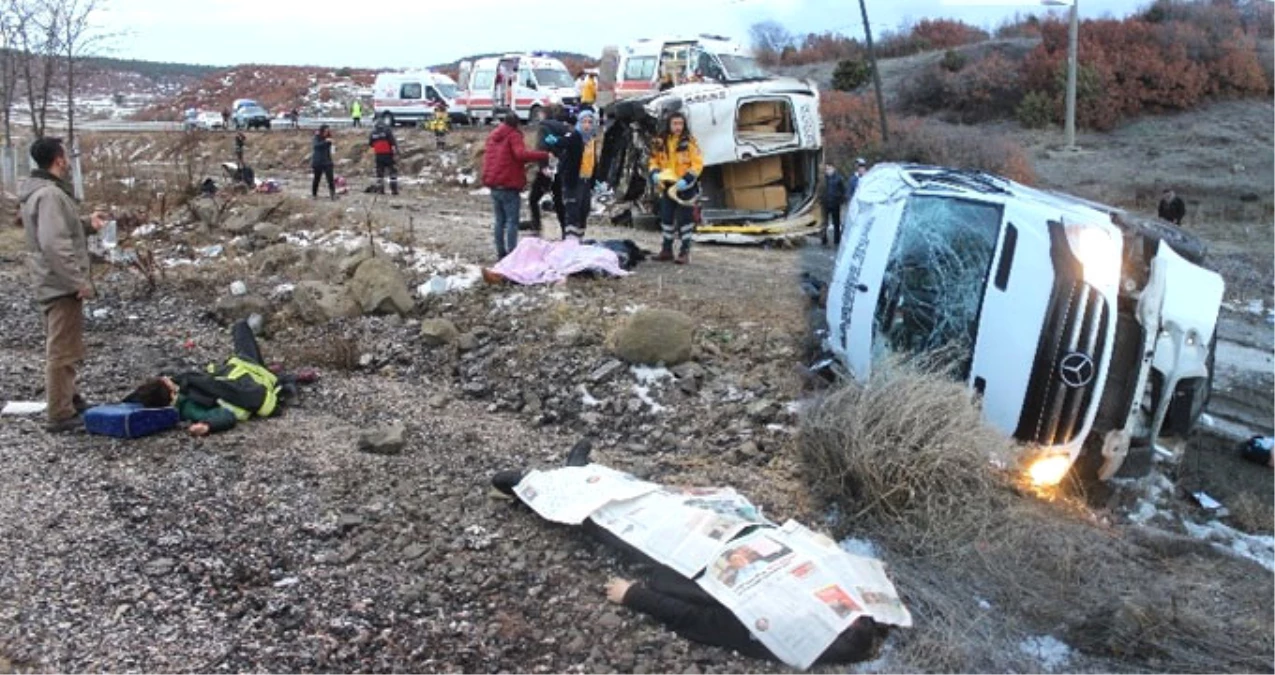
209 120
1085 331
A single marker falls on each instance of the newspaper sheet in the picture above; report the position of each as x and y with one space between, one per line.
794 593
681 528
570 494
866 575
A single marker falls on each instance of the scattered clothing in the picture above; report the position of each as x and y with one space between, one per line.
538 261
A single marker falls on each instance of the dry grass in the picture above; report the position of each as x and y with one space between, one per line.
332 353
906 459
1252 514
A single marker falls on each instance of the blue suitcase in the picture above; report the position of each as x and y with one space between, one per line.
129 420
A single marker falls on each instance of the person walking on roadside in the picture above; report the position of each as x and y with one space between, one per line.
505 157
56 238
225 118
860 168
385 146
356 113
676 164
835 194
321 162
1172 208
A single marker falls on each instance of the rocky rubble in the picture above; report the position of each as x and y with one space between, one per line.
281 546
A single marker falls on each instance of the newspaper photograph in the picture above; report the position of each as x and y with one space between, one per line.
570 494
785 590
867 576
680 528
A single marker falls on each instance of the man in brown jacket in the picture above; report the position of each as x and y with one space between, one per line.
56 238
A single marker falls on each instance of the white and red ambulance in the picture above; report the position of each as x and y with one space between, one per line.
525 83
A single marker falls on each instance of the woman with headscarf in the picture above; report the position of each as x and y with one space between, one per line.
571 149
676 165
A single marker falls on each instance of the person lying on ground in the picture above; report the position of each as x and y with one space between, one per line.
217 398
686 608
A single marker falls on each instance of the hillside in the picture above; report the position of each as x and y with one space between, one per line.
314 90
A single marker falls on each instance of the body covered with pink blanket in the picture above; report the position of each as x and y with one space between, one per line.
538 261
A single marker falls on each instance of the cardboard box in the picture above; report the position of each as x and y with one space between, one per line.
765 198
753 173
760 112
770 127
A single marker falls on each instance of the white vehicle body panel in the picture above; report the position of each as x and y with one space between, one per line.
1178 307
389 88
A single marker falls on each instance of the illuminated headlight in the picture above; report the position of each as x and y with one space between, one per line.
555 99
1048 470
1098 252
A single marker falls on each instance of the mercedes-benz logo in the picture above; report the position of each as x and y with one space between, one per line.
1076 370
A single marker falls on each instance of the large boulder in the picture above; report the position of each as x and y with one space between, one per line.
379 287
319 265
243 223
386 440
351 262
317 302
655 336
438 332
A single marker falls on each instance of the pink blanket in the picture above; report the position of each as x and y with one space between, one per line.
537 261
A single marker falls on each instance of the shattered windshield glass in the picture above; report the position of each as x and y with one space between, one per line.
741 67
933 285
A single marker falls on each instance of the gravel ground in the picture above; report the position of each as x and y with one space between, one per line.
277 546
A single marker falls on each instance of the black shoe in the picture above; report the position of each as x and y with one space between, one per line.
579 455
71 425
504 481
80 404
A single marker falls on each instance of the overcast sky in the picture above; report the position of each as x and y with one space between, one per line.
420 33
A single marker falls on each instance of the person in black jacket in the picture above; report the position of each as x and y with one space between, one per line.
685 607
321 162
569 146
548 181
1172 208
385 147
835 195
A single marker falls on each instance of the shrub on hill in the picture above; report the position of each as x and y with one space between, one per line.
851 74
987 89
852 128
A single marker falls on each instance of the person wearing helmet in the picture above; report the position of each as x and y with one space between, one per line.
675 168
385 147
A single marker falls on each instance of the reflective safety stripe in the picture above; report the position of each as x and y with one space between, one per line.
259 374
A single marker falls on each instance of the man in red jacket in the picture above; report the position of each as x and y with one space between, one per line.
504 172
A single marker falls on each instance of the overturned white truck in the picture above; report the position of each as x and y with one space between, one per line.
762 145
1083 329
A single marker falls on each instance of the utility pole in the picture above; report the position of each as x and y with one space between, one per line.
1072 44
876 76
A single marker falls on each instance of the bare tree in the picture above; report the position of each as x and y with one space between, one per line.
13 21
38 44
79 38
769 39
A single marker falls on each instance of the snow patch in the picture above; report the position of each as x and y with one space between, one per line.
586 399
1048 650
1258 548
644 393
860 547
648 376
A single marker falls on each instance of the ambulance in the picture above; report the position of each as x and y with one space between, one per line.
409 97
641 66
525 83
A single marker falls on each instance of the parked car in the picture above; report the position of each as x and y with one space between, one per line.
1086 332
209 120
251 117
